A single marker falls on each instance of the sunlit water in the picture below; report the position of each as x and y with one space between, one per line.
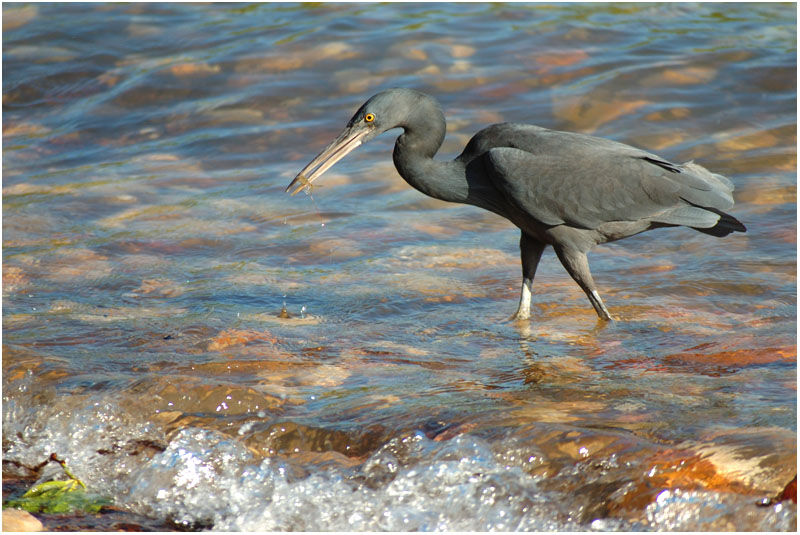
149 247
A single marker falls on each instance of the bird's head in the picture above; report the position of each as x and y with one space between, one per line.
384 111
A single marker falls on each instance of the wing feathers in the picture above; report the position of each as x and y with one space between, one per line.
585 184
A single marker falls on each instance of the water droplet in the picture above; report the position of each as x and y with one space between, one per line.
284 313
246 428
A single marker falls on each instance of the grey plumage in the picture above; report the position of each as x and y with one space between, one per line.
570 191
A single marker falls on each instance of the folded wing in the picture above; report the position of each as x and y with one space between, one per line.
583 181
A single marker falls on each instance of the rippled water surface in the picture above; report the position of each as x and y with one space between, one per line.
149 248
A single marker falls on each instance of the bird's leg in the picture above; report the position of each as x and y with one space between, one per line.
577 265
524 309
530 252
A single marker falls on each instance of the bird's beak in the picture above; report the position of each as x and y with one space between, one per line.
343 145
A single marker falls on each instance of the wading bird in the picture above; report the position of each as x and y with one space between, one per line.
570 191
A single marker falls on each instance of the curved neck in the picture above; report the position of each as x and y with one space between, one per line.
424 131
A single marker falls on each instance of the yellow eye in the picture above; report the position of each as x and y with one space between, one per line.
369 117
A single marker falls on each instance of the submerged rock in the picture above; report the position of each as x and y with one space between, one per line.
19 520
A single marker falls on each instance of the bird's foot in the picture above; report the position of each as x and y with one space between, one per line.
519 316
604 324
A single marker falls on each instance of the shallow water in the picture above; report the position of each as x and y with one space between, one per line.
149 247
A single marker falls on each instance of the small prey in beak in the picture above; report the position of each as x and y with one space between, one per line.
346 142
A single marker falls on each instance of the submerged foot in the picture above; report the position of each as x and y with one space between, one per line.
519 316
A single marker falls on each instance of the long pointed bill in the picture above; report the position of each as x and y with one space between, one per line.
343 145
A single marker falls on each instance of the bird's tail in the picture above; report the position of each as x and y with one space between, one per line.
726 224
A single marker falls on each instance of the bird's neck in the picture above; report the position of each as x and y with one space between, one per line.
413 158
